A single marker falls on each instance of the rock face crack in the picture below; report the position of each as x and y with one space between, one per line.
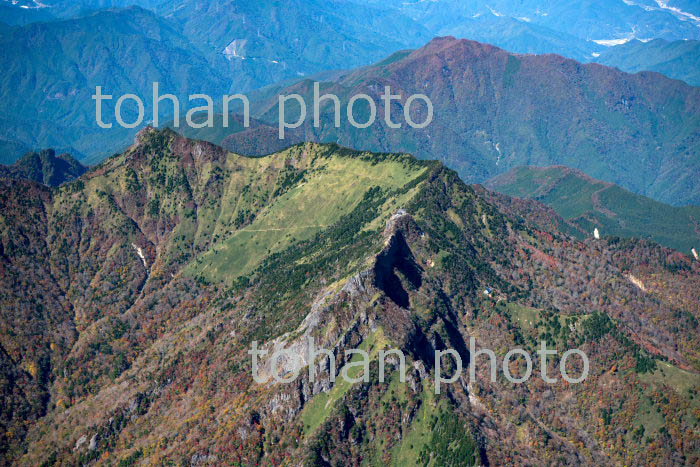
397 258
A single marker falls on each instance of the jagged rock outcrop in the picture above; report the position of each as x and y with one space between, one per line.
357 250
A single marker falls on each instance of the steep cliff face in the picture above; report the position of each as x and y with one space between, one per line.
143 285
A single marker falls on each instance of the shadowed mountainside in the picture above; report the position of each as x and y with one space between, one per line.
44 167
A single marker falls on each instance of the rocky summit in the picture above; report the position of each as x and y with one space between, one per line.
132 295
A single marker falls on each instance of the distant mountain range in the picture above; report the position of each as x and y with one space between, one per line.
689 6
58 64
343 34
236 46
14 15
266 41
131 296
494 111
645 35
21 12
587 204
11 151
676 59
590 20
576 29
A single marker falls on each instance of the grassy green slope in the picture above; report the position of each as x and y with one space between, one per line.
589 203
309 198
229 212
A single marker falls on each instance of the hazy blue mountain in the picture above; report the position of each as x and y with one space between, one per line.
10 151
236 46
260 42
57 65
602 19
520 36
266 41
207 48
584 19
494 110
14 15
676 59
20 12
587 19
576 29
690 6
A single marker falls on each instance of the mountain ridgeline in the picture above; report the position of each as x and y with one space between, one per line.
189 47
222 46
131 296
44 167
494 110
676 59
587 204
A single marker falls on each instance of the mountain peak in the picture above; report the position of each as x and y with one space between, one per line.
495 110
45 167
463 47
289 246
148 133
